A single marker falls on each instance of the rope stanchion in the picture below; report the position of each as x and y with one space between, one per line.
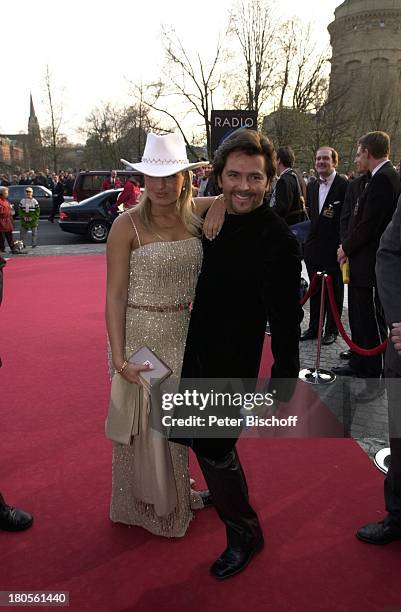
311 289
316 375
354 347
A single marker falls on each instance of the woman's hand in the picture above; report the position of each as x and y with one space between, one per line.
215 218
132 370
396 337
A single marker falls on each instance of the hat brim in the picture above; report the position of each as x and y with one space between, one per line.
162 169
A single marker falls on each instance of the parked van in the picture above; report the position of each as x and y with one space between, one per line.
89 182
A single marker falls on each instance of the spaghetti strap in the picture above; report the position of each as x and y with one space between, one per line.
136 231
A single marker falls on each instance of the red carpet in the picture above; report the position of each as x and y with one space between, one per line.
54 460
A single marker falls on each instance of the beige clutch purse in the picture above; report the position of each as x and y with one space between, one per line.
122 422
160 371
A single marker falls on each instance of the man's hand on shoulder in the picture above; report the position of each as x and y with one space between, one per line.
396 337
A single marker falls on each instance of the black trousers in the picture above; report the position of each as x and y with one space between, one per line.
55 209
6 236
338 288
226 482
368 328
392 483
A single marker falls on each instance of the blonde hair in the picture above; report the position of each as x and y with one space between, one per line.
185 208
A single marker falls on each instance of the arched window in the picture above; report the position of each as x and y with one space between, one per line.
379 63
352 68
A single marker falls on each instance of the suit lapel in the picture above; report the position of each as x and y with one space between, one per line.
315 199
330 192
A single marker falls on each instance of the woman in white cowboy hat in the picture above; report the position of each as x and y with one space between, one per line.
154 256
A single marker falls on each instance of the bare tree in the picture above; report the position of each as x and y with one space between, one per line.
255 29
113 132
188 77
51 134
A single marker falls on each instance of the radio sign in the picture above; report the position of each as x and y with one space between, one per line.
226 122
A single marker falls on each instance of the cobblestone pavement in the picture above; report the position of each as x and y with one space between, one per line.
366 423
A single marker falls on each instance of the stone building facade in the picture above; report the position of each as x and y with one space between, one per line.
365 81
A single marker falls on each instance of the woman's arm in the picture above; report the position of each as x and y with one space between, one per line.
216 210
119 246
118 256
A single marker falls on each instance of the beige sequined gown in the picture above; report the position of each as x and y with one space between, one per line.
151 485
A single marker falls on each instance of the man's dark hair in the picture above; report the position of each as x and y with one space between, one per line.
249 142
333 152
377 143
287 156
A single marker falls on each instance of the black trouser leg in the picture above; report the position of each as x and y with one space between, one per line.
392 483
9 237
54 211
314 301
338 290
369 331
227 485
352 312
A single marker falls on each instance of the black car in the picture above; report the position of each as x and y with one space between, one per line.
92 217
42 194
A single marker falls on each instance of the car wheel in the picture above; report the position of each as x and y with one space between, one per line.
98 231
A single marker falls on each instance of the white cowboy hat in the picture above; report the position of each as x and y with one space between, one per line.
164 156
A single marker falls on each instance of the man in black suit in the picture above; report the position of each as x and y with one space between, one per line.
325 198
58 198
354 190
371 215
290 190
388 273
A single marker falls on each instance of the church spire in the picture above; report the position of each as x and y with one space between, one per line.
31 108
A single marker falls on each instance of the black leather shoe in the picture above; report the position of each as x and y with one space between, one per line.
344 371
345 355
206 498
308 335
14 519
378 533
329 339
234 560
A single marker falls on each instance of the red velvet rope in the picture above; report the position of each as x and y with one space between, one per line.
311 289
354 347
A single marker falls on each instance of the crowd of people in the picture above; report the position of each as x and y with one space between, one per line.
45 179
236 246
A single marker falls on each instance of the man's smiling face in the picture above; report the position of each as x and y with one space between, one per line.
243 181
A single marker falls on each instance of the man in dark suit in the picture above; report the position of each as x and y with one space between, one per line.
388 273
290 190
371 215
354 190
58 198
324 198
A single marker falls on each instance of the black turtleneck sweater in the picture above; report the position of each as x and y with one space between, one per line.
250 273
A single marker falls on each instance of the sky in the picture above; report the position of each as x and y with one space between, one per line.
94 49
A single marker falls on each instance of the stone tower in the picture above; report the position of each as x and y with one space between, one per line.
34 140
365 81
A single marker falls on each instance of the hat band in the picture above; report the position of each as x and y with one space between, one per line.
163 162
